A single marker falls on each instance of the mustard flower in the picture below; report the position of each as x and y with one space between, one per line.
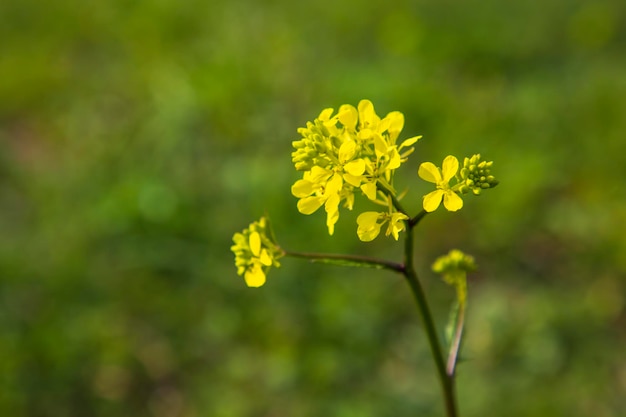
371 222
255 252
343 153
441 177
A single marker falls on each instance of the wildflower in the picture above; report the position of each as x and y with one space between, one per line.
441 177
255 252
371 222
343 153
476 175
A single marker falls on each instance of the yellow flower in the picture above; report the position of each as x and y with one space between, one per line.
371 222
441 177
255 252
340 154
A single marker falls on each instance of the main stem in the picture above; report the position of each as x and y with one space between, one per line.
447 380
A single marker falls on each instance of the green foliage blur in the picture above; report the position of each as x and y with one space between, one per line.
137 136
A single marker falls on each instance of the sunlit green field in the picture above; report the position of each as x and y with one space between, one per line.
137 137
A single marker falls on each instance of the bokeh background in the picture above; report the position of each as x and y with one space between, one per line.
137 136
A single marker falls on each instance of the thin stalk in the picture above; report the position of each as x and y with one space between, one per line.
456 343
348 260
446 380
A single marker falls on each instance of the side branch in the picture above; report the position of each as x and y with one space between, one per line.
347 260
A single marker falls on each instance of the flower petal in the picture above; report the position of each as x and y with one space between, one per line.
394 159
396 123
302 188
255 243
308 205
369 227
325 114
348 116
409 142
450 167
429 172
452 201
265 258
352 180
332 212
369 190
367 115
432 200
255 277
355 168
334 185
347 151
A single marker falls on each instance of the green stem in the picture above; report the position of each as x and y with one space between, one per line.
455 344
447 381
348 260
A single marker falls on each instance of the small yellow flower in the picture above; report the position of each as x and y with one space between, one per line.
441 177
255 252
371 222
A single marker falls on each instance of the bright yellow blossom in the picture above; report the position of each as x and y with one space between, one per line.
255 252
340 154
441 177
371 222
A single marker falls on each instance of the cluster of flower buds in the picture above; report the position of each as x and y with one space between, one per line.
476 175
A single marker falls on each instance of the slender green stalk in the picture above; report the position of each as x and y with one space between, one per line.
447 381
347 260
455 345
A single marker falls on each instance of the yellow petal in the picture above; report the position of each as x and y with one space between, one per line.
394 159
369 227
432 200
355 168
309 205
367 115
429 172
255 277
352 180
369 190
348 116
450 167
302 188
325 114
334 185
347 150
265 258
332 212
452 201
364 134
318 174
255 243
409 142
396 123
380 146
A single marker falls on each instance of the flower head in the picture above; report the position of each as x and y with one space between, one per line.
342 154
255 252
453 268
441 178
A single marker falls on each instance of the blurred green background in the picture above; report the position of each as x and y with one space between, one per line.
137 136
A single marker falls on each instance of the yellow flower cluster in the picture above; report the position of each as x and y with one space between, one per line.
255 252
349 151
